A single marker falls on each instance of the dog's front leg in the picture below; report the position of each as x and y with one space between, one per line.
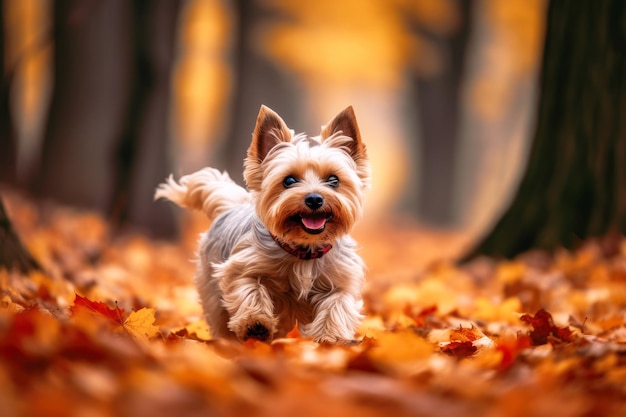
249 307
337 316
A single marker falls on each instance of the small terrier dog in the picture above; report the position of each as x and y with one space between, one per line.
280 254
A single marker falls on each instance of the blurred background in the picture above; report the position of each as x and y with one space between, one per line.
102 99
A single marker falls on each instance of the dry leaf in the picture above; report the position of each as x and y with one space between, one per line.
140 324
442 335
544 329
115 315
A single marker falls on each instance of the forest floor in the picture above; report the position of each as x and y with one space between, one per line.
113 327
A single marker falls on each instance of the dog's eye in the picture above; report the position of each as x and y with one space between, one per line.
289 181
333 181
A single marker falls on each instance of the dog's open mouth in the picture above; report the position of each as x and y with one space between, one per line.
314 223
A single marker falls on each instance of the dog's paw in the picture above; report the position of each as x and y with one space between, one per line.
321 333
257 331
261 328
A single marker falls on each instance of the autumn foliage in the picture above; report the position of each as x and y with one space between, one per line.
113 327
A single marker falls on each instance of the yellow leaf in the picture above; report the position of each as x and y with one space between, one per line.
402 352
200 329
511 272
140 324
497 310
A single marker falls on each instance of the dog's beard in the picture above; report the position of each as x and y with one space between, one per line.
307 228
291 221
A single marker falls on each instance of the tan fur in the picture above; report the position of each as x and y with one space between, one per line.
208 190
249 286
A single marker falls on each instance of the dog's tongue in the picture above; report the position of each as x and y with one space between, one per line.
313 223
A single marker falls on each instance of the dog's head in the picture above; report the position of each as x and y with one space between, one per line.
308 191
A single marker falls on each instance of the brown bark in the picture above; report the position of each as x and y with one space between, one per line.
142 159
257 81
575 182
438 100
7 132
89 99
13 254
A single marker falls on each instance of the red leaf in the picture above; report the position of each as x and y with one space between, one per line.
98 308
294 333
421 317
544 328
464 334
459 349
510 348
24 324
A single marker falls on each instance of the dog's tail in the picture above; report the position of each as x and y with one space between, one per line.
208 190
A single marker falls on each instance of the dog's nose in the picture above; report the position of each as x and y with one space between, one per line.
314 201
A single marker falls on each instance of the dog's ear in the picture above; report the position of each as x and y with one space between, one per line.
345 122
270 130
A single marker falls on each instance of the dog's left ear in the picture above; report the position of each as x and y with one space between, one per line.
345 122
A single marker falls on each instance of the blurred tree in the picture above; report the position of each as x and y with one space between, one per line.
500 92
106 138
142 158
7 131
12 253
439 108
575 182
91 81
258 81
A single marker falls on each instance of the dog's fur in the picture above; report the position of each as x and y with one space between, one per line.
266 263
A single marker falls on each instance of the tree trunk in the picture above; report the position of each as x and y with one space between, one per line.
90 94
438 99
575 182
258 81
12 252
142 153
8 154
106 141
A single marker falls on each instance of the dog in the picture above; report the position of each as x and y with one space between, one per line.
280 255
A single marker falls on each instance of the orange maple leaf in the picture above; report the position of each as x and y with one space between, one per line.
294 333
465 334
422 316
510 348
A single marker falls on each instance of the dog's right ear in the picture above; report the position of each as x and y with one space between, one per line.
269 131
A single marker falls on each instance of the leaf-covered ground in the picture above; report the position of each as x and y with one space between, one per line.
113 327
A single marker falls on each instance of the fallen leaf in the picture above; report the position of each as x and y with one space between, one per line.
437 340
510 347
421 318
199 329
465 334
98 308
459 349
140 324
544 328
